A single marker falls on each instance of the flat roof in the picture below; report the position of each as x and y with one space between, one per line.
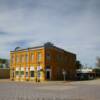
26 49
46 45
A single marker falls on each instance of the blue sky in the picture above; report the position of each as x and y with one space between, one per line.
70 24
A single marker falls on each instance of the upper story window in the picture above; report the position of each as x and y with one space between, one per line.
26 57
58 57
39 56
65 59
12 58
48 56
21 58
32 57
17 59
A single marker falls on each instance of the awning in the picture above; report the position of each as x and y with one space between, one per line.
26 69
32 68
39 67
17 68
22 68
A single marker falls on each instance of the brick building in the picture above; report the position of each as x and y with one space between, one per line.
46 62
4 69
4 73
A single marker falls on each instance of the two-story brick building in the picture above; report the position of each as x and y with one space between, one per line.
46 62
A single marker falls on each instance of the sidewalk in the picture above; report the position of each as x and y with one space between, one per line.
38 83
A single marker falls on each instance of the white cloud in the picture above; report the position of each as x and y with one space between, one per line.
72 25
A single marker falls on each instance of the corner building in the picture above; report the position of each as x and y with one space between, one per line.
41 63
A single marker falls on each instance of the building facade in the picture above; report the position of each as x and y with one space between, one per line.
41 63
85 74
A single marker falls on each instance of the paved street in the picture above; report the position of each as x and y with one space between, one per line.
80 90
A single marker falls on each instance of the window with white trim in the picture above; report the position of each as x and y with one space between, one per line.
48 56
26 57
32 57
32 73
39 56
17 59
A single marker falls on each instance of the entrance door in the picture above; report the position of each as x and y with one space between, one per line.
48 75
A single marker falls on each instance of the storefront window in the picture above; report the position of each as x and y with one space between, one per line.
17 73
26 74
32 73
21 72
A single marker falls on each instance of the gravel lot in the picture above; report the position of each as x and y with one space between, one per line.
80 90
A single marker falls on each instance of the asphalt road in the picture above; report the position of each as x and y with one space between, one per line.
80 90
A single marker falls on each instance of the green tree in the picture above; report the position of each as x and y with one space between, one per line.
1 66
78 64
4 61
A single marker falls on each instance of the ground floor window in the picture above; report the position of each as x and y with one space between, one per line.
17 73
21 73
26 74
32 73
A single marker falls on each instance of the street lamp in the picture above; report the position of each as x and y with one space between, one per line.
38 73
64 74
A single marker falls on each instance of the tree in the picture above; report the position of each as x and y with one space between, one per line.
98 62
4 62
1 66
78 64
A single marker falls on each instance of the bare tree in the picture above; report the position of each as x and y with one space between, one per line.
98 62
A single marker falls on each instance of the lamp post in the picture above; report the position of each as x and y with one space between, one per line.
64 74
38 73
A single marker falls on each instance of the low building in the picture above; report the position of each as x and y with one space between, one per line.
85 73
45 62
4 73
4 69
97 71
